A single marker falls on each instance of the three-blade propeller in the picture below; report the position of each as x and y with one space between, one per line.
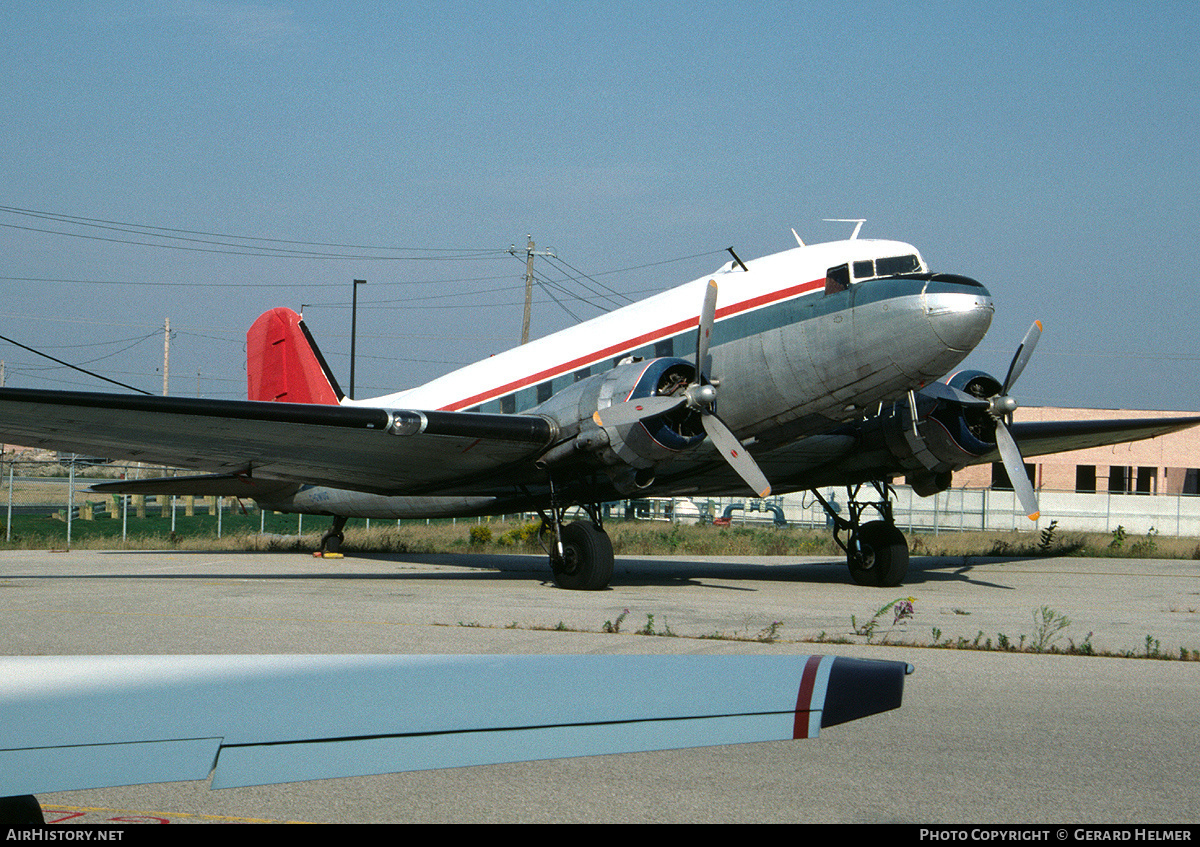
700 396
1001 407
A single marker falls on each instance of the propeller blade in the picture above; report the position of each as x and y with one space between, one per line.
1021 357
734 453
942 391
708 315
1014 463
632 411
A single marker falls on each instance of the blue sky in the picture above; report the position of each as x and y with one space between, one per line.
1047 150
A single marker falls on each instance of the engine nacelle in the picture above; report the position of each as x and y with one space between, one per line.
933 437
627 453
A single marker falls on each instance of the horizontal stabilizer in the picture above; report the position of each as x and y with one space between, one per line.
87 722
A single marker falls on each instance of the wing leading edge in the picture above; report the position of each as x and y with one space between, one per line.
87 722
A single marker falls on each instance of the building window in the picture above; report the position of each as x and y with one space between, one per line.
1085 478
1118 479
1000 480
1147 480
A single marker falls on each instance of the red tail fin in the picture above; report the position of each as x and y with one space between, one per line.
284 364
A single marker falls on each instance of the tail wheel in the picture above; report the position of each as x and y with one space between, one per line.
587 560
879 555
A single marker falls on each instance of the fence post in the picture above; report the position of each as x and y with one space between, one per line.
8 523
70 498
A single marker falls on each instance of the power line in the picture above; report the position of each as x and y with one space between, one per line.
69 365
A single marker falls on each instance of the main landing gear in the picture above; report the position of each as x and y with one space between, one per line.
331 541
876 552
581 555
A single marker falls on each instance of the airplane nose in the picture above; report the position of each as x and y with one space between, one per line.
960 311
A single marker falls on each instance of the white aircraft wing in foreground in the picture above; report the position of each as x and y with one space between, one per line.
80 722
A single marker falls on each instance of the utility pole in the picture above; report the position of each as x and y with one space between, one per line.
354 331
529 254
166 354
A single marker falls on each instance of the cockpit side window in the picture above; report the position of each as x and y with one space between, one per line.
837 279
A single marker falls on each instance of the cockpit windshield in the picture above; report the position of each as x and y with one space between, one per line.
889 266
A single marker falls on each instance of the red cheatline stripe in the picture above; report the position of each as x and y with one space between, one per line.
804 697
645 338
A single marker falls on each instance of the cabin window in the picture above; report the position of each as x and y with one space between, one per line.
666 347
864 270
582 373
544 392
508 404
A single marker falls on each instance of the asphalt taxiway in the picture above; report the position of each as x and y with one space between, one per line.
982 737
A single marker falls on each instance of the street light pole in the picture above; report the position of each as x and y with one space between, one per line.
354 330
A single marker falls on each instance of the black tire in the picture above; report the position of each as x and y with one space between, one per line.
332 543
883 557
587 562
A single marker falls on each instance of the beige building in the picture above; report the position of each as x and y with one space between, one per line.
1168 464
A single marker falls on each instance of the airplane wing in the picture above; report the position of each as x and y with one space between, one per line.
379 450
74 722
1042 437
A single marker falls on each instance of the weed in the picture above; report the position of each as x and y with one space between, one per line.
1118 538
902 608
1047 537
615 627
769 633
479 535
1147 546
648 629
1047 625
1153 647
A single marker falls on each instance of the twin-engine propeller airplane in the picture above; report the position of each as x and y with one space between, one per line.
818 366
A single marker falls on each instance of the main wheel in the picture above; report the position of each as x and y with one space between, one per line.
587 560
881 556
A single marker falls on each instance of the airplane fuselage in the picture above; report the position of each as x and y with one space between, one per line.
803 340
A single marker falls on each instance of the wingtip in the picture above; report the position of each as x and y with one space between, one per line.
1039 325
766 492
596 419
1035 516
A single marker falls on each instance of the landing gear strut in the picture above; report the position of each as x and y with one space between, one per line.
876 552
581 555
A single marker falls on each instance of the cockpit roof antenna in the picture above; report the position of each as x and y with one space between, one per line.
859 221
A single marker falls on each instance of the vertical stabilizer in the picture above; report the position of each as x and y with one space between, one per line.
283 363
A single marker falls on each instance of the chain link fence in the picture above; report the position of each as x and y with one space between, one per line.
60 490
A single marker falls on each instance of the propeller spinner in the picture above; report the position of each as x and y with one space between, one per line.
700 396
